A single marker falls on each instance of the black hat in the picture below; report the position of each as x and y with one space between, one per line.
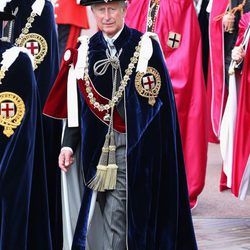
90 2
7 13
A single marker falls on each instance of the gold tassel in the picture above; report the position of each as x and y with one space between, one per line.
98 182
111 176
232 66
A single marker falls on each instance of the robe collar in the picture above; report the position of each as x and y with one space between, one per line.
98 41
115 36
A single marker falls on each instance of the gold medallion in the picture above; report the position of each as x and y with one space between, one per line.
37 46
12 110
148 84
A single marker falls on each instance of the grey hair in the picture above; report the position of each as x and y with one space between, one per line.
124 4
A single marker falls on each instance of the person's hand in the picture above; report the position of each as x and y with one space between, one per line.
228 22
238 54
65 159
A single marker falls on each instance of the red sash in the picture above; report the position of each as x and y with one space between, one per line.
118 123
56 103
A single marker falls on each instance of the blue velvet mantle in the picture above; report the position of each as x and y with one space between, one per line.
45 74
24 212
43 25
158 213
158 208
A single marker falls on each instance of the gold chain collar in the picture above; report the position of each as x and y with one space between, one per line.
119 93
152 14
18 40
26 28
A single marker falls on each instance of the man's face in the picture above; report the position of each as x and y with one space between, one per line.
109 17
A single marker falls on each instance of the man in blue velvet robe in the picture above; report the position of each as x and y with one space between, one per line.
24 212
126 110
41 41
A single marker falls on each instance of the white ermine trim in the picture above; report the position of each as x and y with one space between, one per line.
3 4
146 51
82 57
72 99
10 56
38 6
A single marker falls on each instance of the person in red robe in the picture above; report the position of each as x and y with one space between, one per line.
241 151
223 29
216 73
181 44
71 18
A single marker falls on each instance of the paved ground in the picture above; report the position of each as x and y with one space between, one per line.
222 222
222 234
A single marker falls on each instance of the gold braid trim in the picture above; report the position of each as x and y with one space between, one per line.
151 17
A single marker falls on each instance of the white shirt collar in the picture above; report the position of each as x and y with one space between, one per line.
115 36
197 5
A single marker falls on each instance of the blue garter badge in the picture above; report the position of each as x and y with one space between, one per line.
37 46
12 110
148 84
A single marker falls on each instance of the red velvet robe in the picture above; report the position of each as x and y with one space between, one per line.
241 160
216 76
185 68
68 12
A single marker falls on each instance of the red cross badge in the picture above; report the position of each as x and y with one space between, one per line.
33 47
12 110
37 46
7 109
148 84
174 40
